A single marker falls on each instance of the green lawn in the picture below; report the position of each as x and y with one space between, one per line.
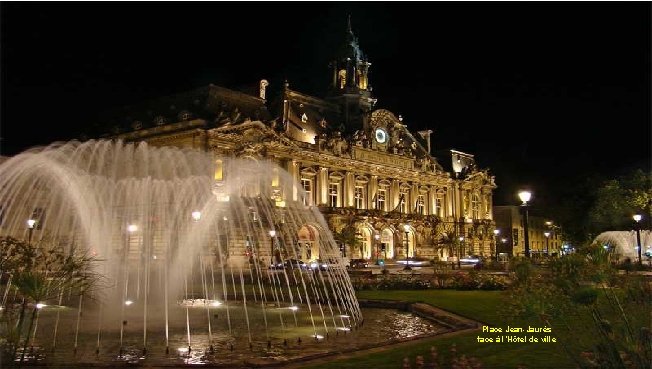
479 305
484 306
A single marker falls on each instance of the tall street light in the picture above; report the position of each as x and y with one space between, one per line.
525 197
547 234
30 226
272 234
406 228
377 238
459 252
496 233
637 219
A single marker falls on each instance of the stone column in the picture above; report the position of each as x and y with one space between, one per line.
394 194
372 189
296 175
322 186
349 189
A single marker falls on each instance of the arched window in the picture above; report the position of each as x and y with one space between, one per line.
342 78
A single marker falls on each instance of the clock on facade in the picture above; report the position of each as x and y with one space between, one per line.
381 135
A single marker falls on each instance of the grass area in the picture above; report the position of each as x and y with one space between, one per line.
484 306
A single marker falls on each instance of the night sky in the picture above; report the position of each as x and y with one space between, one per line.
544 94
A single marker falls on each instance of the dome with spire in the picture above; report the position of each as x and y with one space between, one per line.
350 49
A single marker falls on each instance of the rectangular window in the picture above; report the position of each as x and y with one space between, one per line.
403 204
380 198
219 174
333 194
438 204
307 187
359 197
421 205
475 207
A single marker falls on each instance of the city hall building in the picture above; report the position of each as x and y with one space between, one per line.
371 177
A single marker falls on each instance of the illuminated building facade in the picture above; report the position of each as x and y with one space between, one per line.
368 174
545 237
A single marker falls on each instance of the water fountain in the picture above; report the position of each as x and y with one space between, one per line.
194 251
624 243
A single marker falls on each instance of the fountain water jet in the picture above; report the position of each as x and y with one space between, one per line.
170 214
624 244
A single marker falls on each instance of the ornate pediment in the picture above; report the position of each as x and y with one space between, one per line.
384 118
251 133
252 150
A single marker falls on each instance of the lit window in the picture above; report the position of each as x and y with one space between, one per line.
438 206
403 199
185 115
159 120
475 207
218 175
342 78
333 194
381 198
307 187
420 205
359 197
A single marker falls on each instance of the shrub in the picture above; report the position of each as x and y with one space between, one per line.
453 360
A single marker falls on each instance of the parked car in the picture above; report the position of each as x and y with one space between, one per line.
415 261
358 263
289 264
294 264
319 264
470 260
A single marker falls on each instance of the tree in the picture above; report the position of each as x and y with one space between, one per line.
347 236
15 255
616 200
41 272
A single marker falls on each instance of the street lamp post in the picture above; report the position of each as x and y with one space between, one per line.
525 197
30 226
496 233
637 219
272 234
406 228
547 234
459 252
377 238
